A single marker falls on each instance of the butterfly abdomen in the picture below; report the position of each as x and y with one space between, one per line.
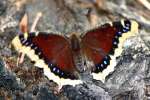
77 55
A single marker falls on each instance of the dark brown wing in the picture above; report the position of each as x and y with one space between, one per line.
54 50
101 42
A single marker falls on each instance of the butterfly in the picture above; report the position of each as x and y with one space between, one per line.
64 58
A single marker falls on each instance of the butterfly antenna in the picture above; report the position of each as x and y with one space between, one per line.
20 58
38 16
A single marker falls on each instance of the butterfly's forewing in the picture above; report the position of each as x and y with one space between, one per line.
50 52
97 43
55 49
100 44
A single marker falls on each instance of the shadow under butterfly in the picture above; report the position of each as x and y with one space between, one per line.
64 58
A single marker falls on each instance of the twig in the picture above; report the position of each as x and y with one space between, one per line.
145 3
128 14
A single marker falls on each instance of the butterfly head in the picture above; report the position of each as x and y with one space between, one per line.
75 43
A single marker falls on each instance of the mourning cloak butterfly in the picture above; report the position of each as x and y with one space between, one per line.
63 58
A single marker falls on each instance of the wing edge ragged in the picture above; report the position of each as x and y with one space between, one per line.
110 68
16 42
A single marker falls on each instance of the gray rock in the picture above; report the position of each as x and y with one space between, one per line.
3 6
45 94
130 72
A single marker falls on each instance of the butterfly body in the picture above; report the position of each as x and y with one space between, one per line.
63 59
78 55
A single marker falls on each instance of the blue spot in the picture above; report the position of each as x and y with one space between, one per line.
127 25
62 73
21 39
54 69
27 43
105 62
50 64
116 37
31 44
35 47
114 42
119 33
106 57
23 42
102 65
125 30
58 71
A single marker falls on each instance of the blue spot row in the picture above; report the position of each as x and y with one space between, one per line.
121 30
127 26
59 72
54 69
38 51
104 63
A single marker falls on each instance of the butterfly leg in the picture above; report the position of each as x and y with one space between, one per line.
20 58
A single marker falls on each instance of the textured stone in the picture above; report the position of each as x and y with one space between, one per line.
3 6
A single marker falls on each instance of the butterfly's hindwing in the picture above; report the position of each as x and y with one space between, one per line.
46 51
108 41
